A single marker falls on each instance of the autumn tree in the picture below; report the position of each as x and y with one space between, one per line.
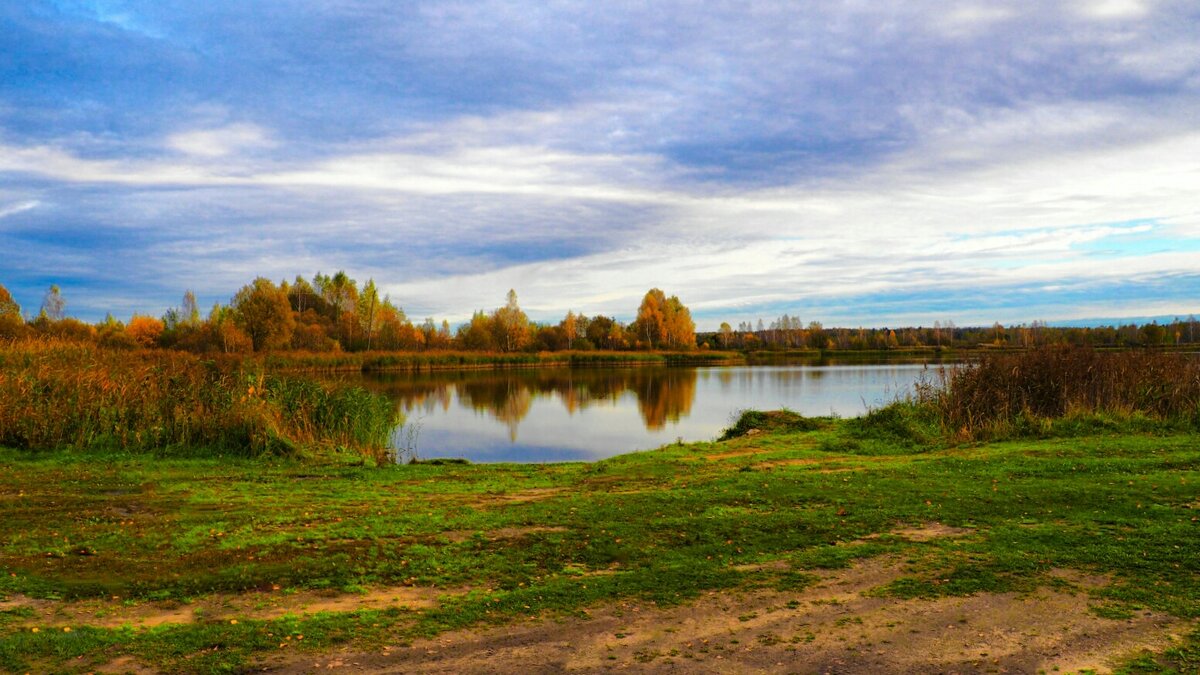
54 307
677 321
8 306
11 323
395 330
478 333
189 312
651 320
511 326
111 333
263 312
301 294
367 306
144 330
570 328
548 338
665 321
726 333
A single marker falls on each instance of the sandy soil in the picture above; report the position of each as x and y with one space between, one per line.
833 627
114 613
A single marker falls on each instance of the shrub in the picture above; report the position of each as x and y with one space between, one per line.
781 421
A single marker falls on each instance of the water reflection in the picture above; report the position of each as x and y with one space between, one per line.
663 394
567 414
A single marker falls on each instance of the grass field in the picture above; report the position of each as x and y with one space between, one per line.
199 565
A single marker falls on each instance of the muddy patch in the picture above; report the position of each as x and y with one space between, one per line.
835 626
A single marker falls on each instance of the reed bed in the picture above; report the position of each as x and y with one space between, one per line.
1003 393
58 395
455 360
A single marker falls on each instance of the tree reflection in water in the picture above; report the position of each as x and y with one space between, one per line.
663 394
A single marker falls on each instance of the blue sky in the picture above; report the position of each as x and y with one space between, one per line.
856 163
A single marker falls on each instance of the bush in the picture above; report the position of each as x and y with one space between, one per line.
779 421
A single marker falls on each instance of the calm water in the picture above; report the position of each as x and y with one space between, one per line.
562 414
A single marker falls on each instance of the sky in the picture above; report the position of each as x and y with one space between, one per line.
855 163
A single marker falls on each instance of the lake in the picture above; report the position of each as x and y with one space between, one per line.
564 414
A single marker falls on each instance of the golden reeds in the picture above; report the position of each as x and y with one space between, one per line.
60 394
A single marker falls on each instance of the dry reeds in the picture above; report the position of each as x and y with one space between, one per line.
1007 390
58 394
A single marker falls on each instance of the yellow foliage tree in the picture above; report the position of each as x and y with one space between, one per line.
144 330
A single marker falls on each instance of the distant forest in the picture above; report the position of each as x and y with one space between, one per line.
332 313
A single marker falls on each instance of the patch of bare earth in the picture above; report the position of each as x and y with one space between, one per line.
931 531
518 497
718 456
832 627
499 533
830 464
125 665
114 613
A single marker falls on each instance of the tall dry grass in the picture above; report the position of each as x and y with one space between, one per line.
1006 391
59 394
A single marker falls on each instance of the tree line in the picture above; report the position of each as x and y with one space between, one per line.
788 333
333 313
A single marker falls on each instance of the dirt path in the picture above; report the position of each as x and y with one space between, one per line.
833 627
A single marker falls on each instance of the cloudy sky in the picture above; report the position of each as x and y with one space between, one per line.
856 163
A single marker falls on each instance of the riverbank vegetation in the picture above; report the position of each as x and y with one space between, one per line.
1033 392
57 395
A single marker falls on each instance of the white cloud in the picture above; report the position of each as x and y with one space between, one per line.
1113 9
221 141
19 207
966 20
993 200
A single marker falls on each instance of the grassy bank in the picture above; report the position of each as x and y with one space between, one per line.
489 544
62 395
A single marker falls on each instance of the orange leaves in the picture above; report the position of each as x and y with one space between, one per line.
145 330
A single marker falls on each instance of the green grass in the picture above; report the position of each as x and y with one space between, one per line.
664 525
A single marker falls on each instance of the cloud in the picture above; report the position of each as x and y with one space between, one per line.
749 157
19 207
219 142
1113 9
